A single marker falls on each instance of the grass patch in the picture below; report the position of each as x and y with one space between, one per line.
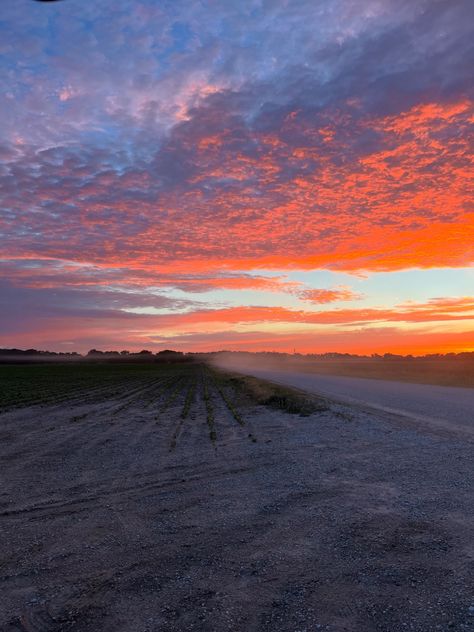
275 396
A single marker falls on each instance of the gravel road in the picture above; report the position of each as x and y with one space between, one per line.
438 404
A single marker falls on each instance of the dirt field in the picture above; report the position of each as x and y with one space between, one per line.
172 498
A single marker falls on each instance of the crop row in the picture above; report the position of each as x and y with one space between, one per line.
22 386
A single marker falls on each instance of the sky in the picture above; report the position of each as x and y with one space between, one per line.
281 175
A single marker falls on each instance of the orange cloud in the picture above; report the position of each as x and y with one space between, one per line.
386 193
341 293
50 273
430 312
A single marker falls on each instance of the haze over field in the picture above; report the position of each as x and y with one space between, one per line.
237 175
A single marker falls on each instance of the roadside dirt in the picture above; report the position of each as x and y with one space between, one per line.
123 516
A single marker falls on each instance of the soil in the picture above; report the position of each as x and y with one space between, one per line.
121 515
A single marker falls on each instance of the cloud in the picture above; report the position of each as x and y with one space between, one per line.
53 273
141 311
321 296
256 201
160 147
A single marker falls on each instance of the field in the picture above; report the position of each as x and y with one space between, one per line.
175 497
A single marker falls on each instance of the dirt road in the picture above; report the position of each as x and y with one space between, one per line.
120 515
447 405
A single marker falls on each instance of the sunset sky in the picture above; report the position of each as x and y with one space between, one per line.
258 175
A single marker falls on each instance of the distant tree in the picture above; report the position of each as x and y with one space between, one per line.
170 352
95 352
